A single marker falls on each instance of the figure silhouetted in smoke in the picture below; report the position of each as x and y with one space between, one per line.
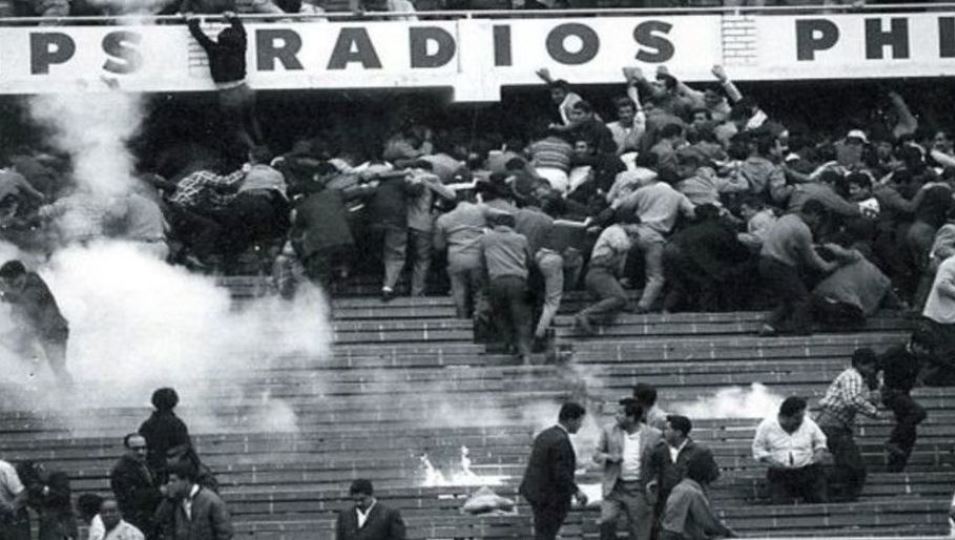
40 327
227 66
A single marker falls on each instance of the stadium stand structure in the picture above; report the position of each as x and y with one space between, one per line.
382 400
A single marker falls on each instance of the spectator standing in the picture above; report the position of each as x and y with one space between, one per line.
793 446
50 496
135 487
426 188
679 452
848 395
190 511
939 317
14 517
368 519
646 396
163 430
108 524
630 473
460 231
900 366
548 483
40 324
506 255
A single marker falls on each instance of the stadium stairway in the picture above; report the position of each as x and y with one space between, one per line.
405 381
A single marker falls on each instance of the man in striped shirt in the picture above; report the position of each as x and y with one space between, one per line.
848 395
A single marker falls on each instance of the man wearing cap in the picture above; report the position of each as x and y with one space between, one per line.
627 450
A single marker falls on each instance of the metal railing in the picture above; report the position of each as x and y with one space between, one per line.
345 16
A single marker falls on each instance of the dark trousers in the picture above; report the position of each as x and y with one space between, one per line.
603 284
200 233
908 415
548 519
848 473
784 282
807 483
512 313
54 347
258 216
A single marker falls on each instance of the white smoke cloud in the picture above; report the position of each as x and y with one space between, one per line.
94 130
137 323
735 402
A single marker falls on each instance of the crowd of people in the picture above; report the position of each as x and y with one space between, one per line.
657 476
685 196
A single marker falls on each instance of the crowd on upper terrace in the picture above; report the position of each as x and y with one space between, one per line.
687 195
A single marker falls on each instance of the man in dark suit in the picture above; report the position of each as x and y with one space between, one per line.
548 483
135 486
192 512
368 519
675 456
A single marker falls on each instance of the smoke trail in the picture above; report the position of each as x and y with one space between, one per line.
735 402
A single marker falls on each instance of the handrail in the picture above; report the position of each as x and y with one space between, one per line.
506 13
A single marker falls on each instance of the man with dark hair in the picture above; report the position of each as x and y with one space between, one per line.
848 395
786 250
460 231
630 473
228 70
135 486
688 515
646 396
163 430
506 255
190 511
548 483
604 272
108 524
680 450
793 446
40 326
900 367
368 519
50 496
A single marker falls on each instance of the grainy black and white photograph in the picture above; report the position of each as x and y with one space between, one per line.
477 269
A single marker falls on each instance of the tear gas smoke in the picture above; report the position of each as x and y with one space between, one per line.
735 402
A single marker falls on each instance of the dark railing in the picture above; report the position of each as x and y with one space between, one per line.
496 13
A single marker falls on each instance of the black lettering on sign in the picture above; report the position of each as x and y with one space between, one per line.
279 44
946 37
502 45
654 48
121 47
48 48
877 39
814 35
556 44
354 45
419 39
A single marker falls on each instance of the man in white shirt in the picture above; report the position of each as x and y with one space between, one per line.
627 452
793 446
109 525
14 519
939 318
